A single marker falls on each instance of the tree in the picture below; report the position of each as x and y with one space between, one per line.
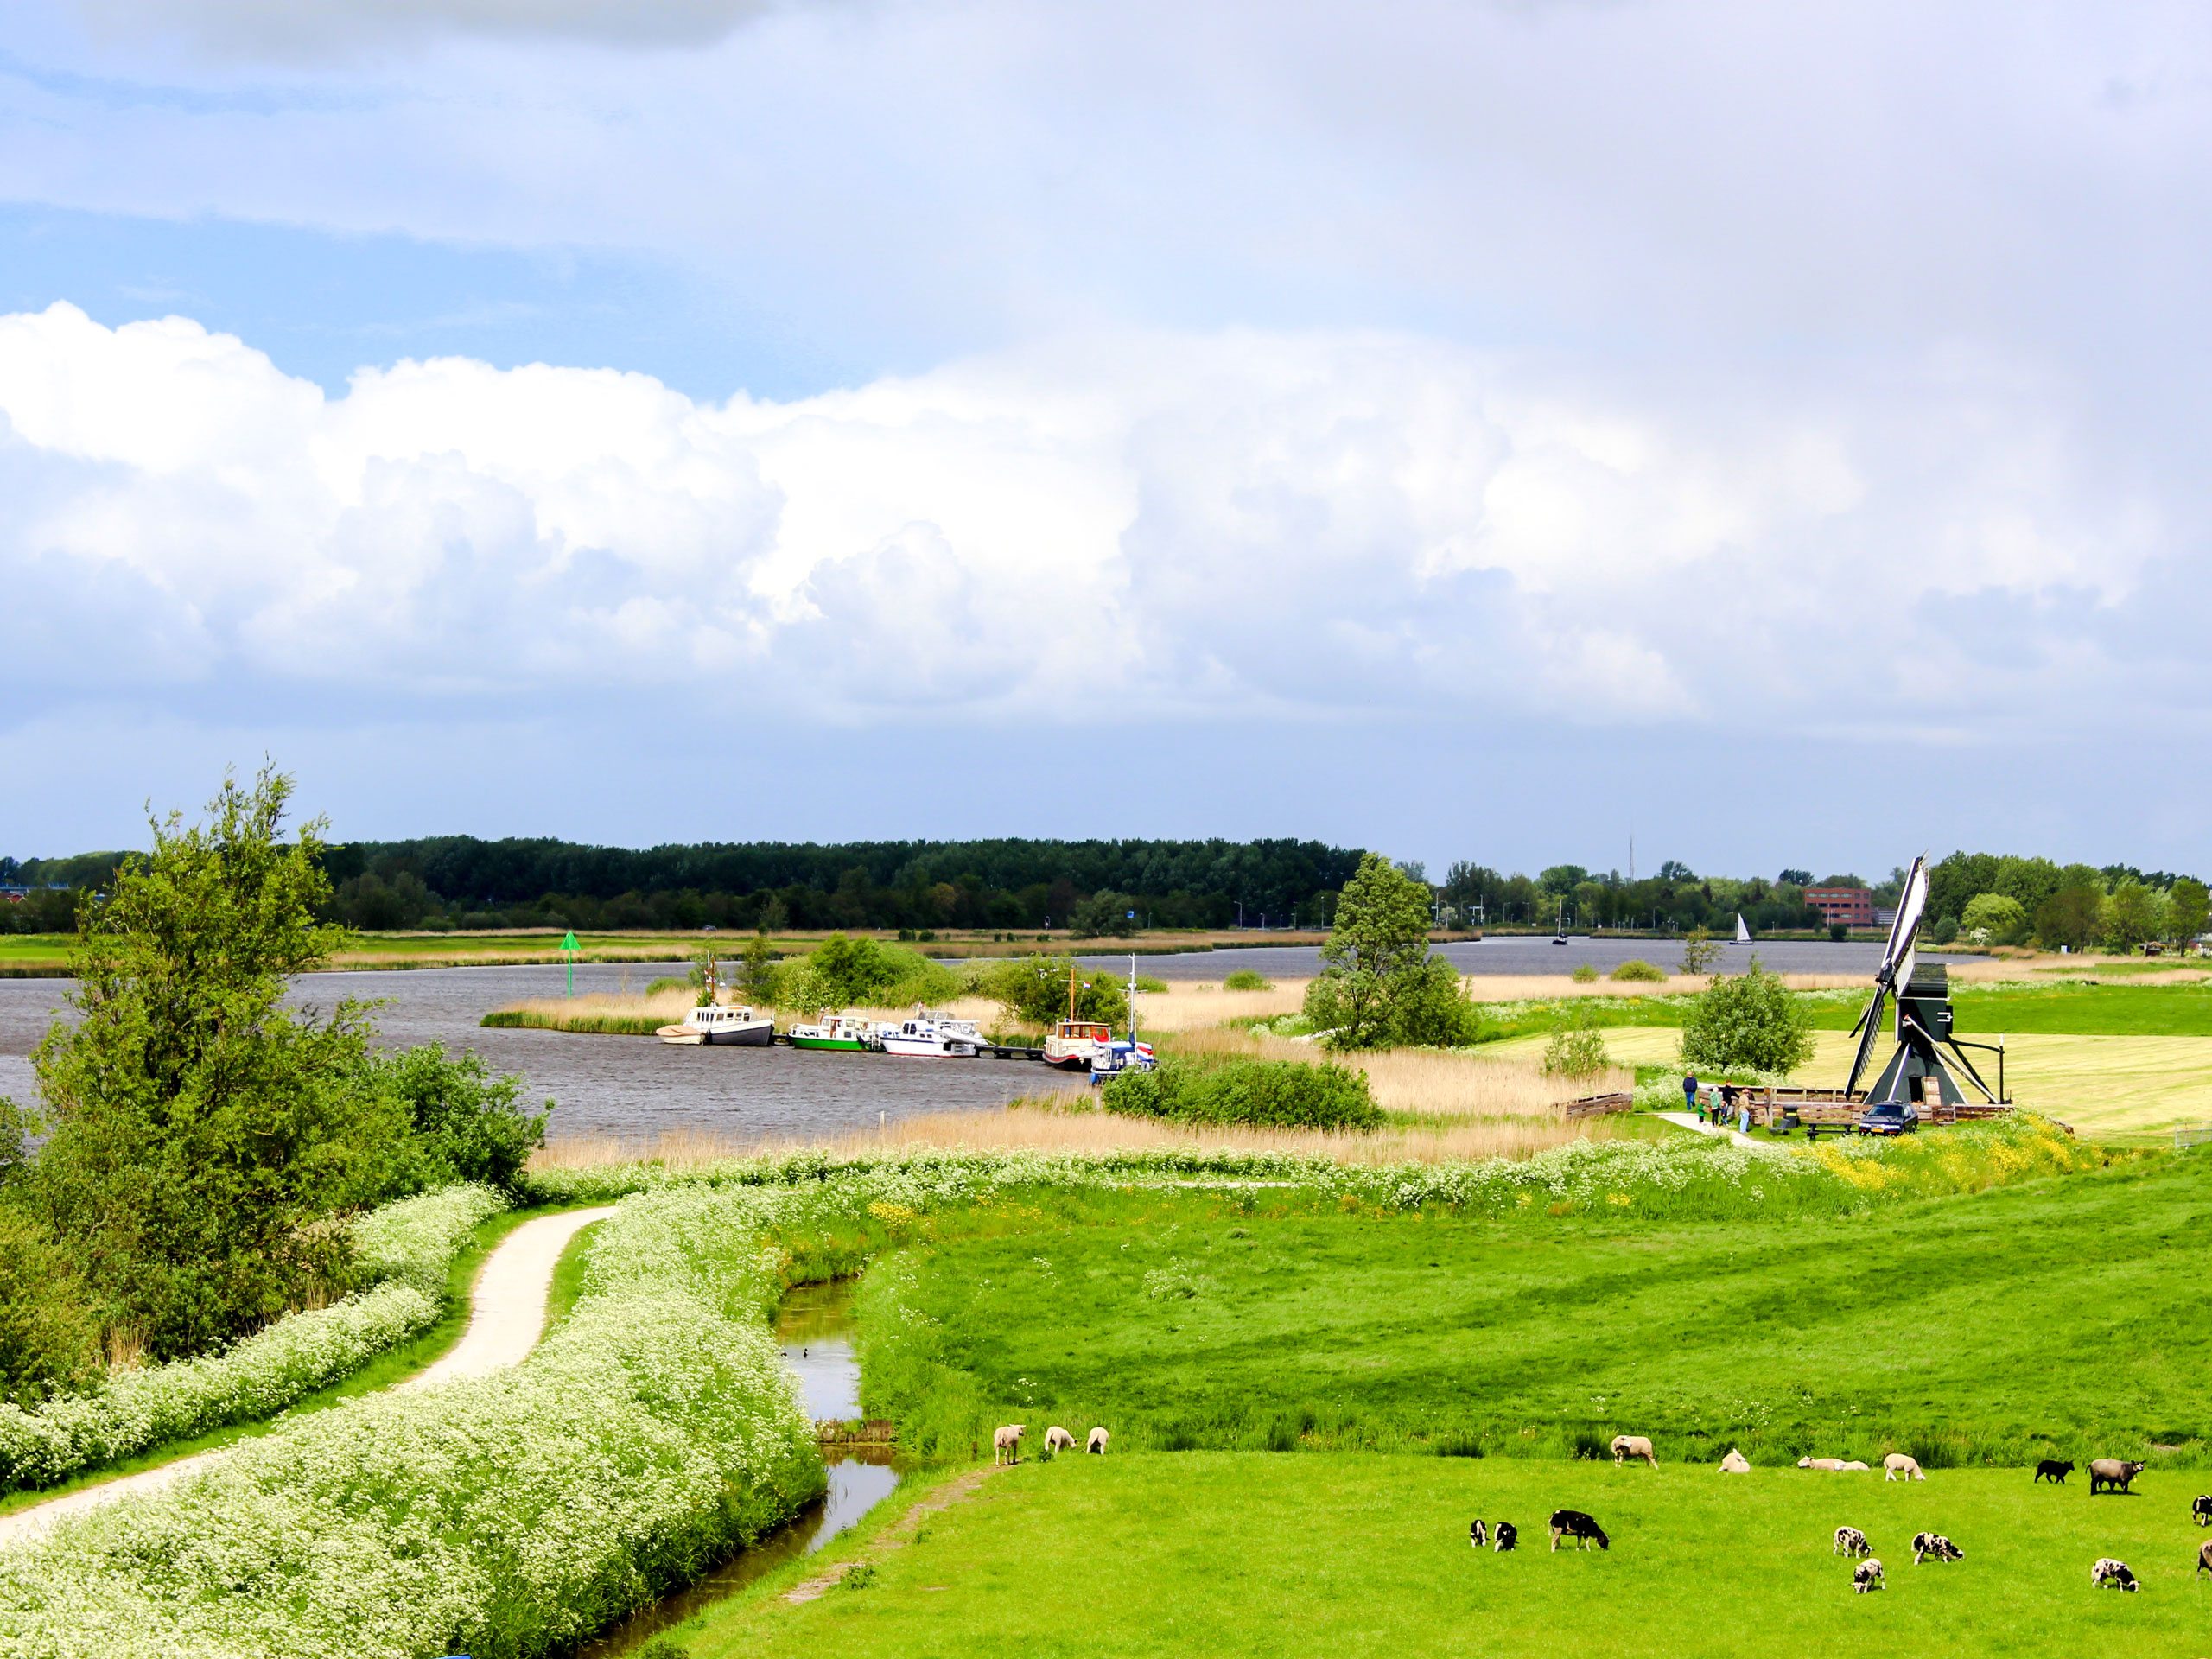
2069 917
2132 914
1034 991
1995 918
1699 952
201 1128
2187 904
1747 1022
1376 982
466 1124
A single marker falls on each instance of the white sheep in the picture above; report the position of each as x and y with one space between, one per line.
1897 1467
1005 1443
1058 1439
1735 1463
1097 1442
1867 1575
1849 1541
1632 1445
1824 1463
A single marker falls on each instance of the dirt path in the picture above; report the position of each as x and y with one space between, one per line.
899 1532
506 1318
1688 1120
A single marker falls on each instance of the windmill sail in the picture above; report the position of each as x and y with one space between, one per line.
1898 958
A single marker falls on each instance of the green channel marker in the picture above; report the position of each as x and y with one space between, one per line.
569 944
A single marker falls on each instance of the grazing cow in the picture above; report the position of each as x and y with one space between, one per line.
2112 1474
1572 1523
1097 1442
1478 1535
2201 1510
1897 1467
2110 1574
1934 1546
2205 1556
1005 1443
1058 1439
1505 1537
2052 1470
1735 1463
1822 1463
1632 1445
1849 1541
1867 1575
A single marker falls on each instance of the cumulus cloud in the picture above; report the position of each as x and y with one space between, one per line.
1239 522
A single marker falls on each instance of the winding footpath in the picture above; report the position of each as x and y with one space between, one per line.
506 1318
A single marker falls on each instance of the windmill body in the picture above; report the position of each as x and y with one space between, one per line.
1919 1068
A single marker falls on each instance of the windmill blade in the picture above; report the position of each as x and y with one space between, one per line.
1912 904
1872 1020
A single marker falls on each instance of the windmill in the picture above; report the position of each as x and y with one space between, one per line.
1917 1072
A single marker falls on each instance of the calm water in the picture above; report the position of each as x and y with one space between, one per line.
814 1327
1525 954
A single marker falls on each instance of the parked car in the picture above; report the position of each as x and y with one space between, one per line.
1889 1118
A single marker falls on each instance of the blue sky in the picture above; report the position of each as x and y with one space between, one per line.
1472 430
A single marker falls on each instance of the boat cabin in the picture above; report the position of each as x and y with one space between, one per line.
1083 1031
718 1018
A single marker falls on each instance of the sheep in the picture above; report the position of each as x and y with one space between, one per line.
2205 1556
1822 1463
1478 1535
1097 1442
1735 1463
1850 1541
1898 1466
1853 1464
2052 1470
1505 1537
1934 1546
2109 1574
2112 1474
1058 1439
1632 1445
1867 1575
1572 1523
2201 1510
1005 1443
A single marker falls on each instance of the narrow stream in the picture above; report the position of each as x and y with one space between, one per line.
814 1327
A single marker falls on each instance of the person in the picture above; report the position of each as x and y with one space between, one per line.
1690 1103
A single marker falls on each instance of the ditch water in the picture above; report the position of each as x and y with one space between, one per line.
814 1327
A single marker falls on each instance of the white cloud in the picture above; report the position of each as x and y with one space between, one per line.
1169 525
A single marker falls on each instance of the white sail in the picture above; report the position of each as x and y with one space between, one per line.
1743 933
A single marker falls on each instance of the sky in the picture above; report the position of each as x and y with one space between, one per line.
1772 435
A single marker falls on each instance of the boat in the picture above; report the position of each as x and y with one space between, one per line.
735 1025
843 1032
931 1033
1743 933
1558 927
1074 1043
1113 1059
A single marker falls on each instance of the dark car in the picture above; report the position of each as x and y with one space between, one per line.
1889 1118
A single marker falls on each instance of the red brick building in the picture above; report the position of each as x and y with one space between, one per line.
1853 906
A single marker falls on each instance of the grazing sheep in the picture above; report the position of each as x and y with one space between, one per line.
1058 1439
2109 1574
1823 1463
1850 1541
1505 1537
1097 1442
1572 1523
1934 1546
2112 1474
2205 1556
1867 1575
2201 1510
1005 1443
1478 1535
1735 1463
1897 1467
2052 1470
1632 1445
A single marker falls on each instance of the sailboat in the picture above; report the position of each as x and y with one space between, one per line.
1559 926
1743 933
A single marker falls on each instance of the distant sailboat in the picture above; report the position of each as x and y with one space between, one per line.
1743 933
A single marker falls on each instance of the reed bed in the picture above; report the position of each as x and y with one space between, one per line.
1432 1082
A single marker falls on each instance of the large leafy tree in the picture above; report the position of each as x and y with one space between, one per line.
1378 984
2187 903
2070 916
1747 1022
202 1129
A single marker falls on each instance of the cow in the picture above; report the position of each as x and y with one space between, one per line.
1005 1443
1097 1442
1632 1445
1898 1466
2205 1556
2112 1474
2201 1510
1505 1537
1058 1439
2052 1470
1478 1535
1735 1463
2110 1574
1572 1523
1934 1546
1867 1575
1850 1541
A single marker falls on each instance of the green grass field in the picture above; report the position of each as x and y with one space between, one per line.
1228 1554
2060 1317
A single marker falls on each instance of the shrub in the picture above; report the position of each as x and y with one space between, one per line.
1576 1050
49 1336
1034 990
1584 974
2003 919
1747 1021
1271 1094
466 1127
1635 969
1247 979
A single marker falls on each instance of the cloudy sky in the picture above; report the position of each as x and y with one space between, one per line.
1474 430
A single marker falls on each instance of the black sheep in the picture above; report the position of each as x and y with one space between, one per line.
2052 1470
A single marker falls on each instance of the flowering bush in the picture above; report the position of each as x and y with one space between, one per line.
408 1245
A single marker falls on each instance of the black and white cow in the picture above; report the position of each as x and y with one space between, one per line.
1867 1575
2052 1470
2201 1510
1934 1546
1572 1523
1506 1537
1478 1535
1849 1541
2110 1574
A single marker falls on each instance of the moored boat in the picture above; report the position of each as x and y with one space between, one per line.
933 1033
843 1032
736 1026
1074 1043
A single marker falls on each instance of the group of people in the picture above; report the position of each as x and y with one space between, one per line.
1734 1102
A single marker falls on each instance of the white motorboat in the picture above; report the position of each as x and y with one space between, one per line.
931 1033
735 1025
